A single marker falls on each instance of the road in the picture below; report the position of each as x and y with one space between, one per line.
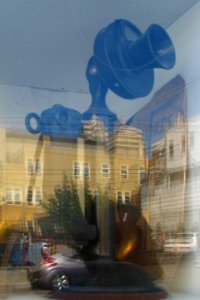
181 276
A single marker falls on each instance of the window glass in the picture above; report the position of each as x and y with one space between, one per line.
30 196
38 196
99 149
9 196
124 172
105 170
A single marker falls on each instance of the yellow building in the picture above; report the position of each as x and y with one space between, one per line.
31 167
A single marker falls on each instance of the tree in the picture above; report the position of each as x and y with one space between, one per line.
63 207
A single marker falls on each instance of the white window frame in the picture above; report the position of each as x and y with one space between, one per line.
105 170
38 192
15 196
76 167
124 172
34 167
83 169
122 197
35 201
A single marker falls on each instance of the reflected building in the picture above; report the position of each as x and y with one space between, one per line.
168 178
173 194
163 122
192 208
31 167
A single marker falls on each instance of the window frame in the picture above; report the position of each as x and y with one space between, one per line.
124 168
83 169
13 191
34 167
105 170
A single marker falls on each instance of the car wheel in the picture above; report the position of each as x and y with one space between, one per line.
60 281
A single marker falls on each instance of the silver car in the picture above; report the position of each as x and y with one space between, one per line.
63 273
183 243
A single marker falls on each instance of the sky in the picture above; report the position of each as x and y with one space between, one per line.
39 67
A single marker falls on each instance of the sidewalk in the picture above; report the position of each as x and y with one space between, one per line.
13 277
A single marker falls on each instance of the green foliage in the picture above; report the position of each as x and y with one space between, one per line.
64 209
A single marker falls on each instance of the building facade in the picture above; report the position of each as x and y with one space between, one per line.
31 167
167 182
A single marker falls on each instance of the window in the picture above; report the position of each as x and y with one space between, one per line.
13 196
34 196
17 196
34 167
171 150
38 167
30 196
30 167
127 197
77 170
86 170
30 225
81 169
124 172
123 197
105 170
9 196
38 196
183 145
119 198
141 175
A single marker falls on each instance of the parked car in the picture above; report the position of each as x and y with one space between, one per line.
61 273
183 243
